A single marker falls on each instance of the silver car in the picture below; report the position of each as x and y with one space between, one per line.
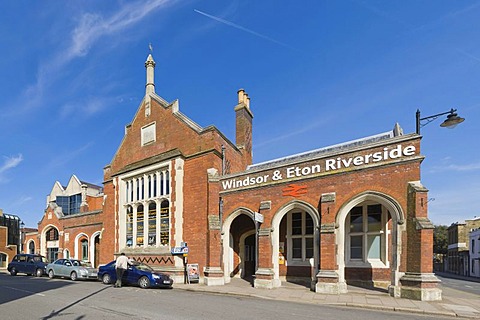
71 268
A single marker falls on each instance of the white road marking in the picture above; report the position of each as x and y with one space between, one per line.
31 292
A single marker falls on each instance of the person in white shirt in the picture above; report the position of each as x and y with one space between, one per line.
121 264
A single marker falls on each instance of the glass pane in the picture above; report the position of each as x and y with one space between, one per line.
308 248
356 220
297 248
373 246
296 223
308 224
374 221
356 247
374 208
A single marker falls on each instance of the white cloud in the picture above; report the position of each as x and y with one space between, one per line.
456 167
94 26
89 30
9 163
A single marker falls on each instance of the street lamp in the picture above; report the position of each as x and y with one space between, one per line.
22 236
451 122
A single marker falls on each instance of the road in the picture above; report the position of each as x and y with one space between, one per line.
459 284
24 297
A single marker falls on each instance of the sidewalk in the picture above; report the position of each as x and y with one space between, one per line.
465 306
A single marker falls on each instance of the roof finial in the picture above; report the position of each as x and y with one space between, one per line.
150 47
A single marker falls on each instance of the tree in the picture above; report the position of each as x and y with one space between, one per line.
440 240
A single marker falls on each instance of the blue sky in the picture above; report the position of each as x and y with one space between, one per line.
318 73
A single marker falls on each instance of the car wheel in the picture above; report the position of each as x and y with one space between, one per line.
13 272
144 283
73 276
106 279
39 273
50 274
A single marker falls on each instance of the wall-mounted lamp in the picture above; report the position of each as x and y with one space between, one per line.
451 122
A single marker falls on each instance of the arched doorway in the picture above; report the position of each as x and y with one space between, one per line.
239 250
368 239
52 241
31 247
96 251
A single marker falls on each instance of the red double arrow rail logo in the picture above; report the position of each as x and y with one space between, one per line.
294 190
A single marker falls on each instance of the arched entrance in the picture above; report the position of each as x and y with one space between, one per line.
96 249
31 247
50 243
239 249
368 239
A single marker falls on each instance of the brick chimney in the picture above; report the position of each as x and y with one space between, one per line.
244 117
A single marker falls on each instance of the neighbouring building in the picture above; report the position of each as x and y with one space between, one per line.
10 237
475 253
72 223
351 213
458 255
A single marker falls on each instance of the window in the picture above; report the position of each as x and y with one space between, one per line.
52 235
165 223
146 223
129 239
70 204
300 232
84 243
152 224
140 219
366 229
473 245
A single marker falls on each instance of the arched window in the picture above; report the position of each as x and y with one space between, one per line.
300 237
84 244
66 254
366 226
140 220
165 223
52 235
129 217
31 247
152 224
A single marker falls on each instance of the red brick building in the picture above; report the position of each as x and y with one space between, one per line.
352 213
72 224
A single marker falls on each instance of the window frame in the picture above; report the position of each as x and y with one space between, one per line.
303 236
383 232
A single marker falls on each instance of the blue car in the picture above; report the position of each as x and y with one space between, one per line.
137 273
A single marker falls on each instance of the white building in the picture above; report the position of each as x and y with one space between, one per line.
474 241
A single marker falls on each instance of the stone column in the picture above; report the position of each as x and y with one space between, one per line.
264 274
419 282
213 274
327 277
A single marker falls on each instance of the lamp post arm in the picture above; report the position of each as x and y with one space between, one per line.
430 118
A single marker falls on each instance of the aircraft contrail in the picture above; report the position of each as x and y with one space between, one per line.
231 24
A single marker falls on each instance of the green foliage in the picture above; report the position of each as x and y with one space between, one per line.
440 239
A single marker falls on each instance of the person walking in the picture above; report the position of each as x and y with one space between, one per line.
121 264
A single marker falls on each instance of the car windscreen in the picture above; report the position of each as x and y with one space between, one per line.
40 259
143 267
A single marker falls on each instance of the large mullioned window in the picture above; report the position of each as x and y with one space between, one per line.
147 210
